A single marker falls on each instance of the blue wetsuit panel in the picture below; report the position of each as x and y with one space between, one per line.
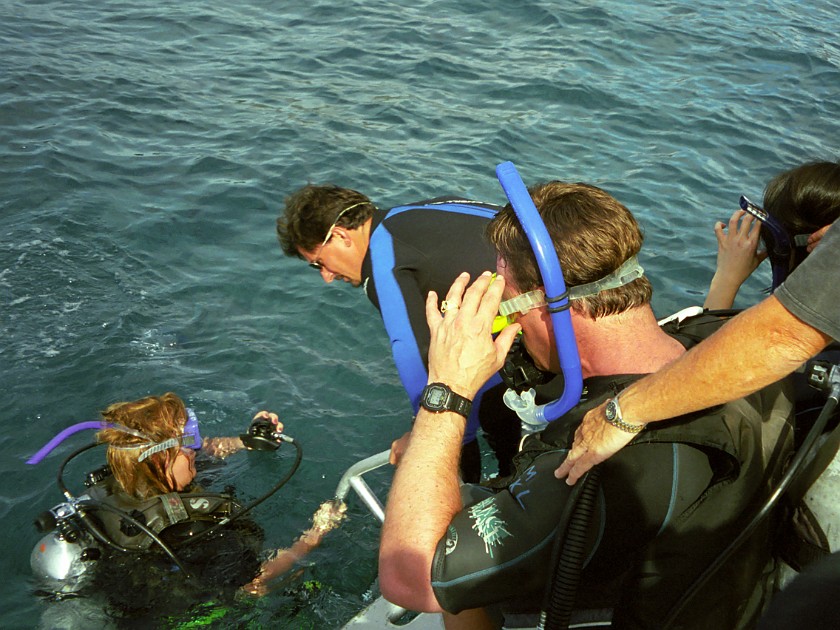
419 248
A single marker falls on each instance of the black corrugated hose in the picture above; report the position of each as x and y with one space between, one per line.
569 551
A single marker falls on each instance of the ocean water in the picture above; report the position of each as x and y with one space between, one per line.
146 148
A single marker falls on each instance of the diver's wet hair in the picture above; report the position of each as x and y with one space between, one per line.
156 418
593 235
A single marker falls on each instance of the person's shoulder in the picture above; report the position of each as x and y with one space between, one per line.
692 325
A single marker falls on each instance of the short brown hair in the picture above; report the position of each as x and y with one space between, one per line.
157 417
592 233
311 210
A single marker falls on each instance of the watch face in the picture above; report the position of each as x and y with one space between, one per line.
611 412
435 396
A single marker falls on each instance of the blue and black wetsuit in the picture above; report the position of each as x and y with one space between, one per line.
422 247
668 503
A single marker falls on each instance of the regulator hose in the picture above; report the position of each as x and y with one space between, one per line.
568 555
245 510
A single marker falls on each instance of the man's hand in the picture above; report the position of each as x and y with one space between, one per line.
595 441
462 352
815 238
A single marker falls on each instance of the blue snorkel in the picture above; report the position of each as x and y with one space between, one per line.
555 290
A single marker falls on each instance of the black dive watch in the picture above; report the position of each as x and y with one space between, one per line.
437 397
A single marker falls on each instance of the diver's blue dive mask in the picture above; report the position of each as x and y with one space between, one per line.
190 438
780 244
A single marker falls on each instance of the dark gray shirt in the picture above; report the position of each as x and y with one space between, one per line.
812 291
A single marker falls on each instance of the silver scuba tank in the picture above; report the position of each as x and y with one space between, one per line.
56 558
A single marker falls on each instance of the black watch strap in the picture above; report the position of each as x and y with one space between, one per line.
438 397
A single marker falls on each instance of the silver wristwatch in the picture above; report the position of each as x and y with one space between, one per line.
613 415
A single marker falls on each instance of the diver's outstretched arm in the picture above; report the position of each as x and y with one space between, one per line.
221 447
327 518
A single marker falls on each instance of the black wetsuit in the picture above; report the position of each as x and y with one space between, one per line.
148 583
668 504
423 247
143 582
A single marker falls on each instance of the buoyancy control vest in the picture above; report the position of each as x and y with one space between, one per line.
746 442
173 516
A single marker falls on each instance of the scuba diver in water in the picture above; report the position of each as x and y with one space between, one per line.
799 206
150 534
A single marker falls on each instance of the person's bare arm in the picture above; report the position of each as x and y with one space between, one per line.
738 256
221 447
815 238
754 349
327 518
425 492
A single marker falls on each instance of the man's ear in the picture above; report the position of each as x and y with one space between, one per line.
344 234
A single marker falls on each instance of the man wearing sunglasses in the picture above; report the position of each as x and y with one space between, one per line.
661 513
397 256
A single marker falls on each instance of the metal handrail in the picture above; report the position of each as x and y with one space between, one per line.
353 478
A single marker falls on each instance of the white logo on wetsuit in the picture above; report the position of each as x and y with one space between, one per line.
451 539
487 524
199 504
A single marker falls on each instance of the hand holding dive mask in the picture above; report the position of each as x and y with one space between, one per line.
781 244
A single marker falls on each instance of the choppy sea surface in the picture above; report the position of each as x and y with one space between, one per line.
146 148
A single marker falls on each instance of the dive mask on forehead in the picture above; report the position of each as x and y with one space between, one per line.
190 438
782 242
